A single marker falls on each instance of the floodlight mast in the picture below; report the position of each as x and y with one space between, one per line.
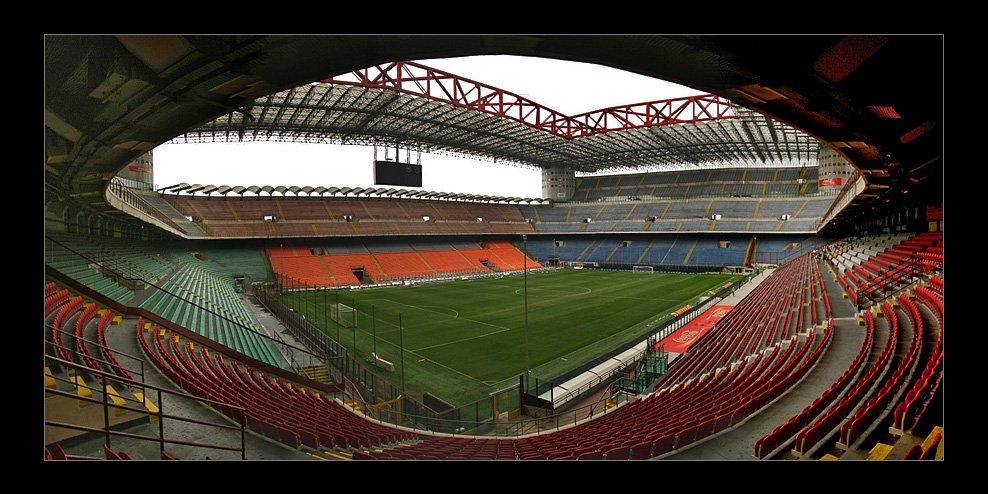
524 239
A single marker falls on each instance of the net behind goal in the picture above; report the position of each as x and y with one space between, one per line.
643 269
343 314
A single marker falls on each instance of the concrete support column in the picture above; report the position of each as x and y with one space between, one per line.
558 184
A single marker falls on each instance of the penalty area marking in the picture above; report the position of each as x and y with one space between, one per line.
584 291
437 308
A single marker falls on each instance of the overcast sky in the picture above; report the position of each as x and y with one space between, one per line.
567 87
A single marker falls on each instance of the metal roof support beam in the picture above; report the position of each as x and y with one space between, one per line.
427 82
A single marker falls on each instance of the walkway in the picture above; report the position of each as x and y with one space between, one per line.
739 443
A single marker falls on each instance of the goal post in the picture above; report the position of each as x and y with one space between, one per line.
343 314
643 269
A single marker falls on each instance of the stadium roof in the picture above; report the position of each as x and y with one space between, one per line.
323 191
876 99
424 109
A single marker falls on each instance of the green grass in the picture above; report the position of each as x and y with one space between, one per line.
464 339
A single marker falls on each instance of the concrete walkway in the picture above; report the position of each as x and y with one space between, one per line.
739 443
182 428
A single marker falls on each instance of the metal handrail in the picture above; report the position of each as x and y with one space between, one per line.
123 309
104 379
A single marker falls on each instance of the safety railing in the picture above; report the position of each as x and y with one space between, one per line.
135 401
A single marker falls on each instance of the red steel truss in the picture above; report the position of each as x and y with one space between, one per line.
420 80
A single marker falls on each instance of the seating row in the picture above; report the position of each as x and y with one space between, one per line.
888 393
290 229
321 210
876 406
709 396
307 217
729 181
101 329
281 411
910 410
874 269
809 437
695 191
766 445
74 317
664 210
771 313
85 271
649 427
102 263
302 265
716 175
66 309
925 451
199 300
684 249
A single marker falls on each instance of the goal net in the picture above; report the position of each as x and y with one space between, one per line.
643 269
345 315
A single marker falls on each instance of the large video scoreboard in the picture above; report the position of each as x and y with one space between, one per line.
398 174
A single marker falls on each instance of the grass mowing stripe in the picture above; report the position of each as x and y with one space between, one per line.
462 339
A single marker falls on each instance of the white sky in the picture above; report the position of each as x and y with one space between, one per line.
567 87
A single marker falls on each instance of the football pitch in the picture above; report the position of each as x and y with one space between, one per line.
463 339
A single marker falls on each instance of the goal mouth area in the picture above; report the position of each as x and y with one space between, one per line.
343 314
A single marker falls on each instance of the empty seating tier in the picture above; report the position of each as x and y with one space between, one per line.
280 410
315 265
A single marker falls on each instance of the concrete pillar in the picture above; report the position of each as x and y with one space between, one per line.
558 184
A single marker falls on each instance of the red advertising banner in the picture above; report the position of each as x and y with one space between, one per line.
681 340
830 182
